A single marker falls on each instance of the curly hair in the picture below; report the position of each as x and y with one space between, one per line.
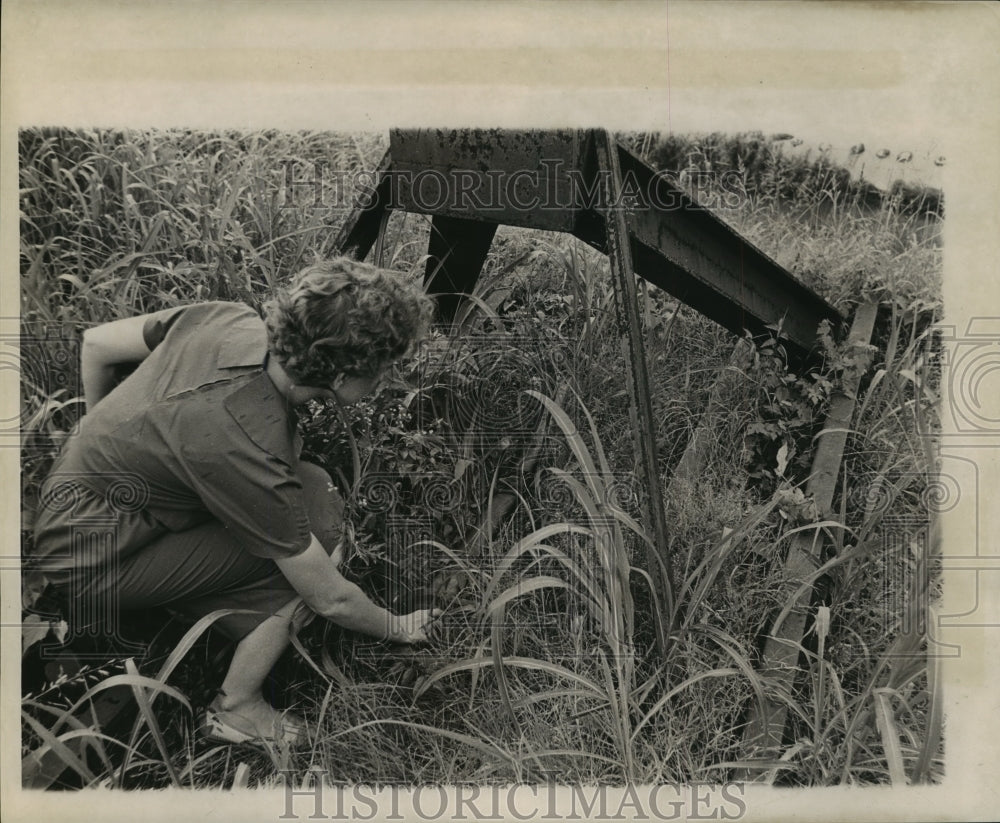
344 317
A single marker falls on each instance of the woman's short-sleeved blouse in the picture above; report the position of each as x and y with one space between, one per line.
197 431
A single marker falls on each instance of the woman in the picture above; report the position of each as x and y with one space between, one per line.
218 512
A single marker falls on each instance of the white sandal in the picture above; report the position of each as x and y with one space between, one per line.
214 728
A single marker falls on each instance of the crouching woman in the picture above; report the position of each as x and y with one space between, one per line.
221 512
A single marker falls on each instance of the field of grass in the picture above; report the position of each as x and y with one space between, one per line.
495 477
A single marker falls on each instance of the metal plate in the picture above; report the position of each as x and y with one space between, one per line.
519 178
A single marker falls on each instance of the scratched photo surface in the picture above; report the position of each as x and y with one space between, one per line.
644 469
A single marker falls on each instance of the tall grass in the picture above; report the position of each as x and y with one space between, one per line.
545 668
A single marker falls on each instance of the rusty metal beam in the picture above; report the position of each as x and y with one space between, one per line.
689 252
764 733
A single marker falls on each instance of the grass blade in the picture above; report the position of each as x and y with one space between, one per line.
928 751
551 694
189 639
61 749
241 778
334 673
523 587
146 708
690 681
576 442
188 770
131 680
532 541
485 747
886 722
499 671
536 753
729 645
90 737
518 662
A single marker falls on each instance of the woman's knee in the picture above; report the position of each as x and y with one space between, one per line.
313 475
316 481
324 504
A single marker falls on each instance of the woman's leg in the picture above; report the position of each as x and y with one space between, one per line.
204 569
241 702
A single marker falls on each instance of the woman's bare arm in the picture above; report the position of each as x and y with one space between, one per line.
328 593
105 347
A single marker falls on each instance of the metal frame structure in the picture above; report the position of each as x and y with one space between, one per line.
587 184
470 181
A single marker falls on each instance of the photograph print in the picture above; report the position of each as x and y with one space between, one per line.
477 456
424 460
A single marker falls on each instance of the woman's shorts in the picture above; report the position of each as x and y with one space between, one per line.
201 570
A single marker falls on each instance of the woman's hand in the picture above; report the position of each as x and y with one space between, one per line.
415 627
328 593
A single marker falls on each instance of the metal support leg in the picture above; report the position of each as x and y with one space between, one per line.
765 732
623 275
457 251
359 232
